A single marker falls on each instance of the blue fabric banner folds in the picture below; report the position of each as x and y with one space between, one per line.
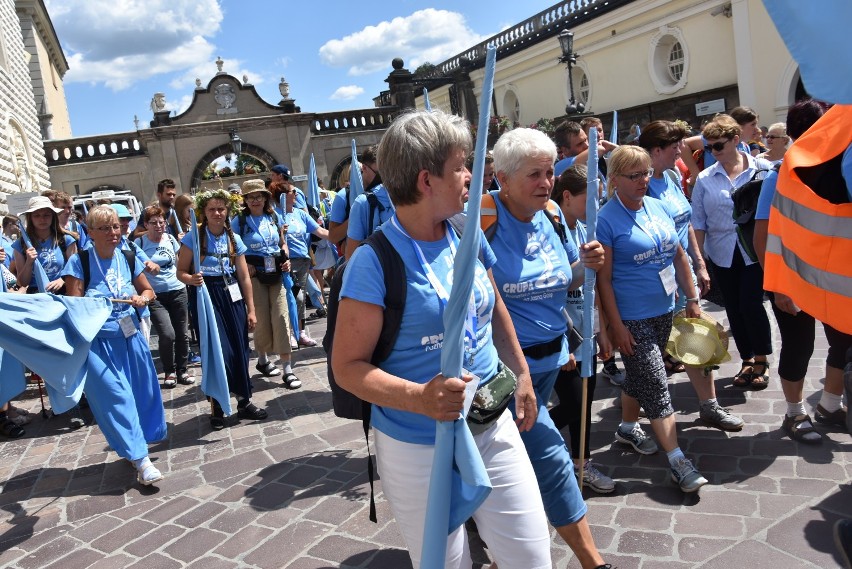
39 276
50 335
588 347
214 380
459 483
356 183
312 197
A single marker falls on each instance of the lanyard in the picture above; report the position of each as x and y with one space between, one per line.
115 292
656 237
219 254
443 296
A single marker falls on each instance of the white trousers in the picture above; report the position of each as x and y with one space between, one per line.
511 520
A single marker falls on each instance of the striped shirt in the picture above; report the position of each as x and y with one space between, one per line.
713 208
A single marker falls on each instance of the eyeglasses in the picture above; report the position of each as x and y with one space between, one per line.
157 223
108 228
774 136
639 175
370 168
255 197
717 146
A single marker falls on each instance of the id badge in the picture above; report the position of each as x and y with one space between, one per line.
235 292
128 328
269 264
667 277
469 391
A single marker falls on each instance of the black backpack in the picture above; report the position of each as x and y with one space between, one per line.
745 205
85 263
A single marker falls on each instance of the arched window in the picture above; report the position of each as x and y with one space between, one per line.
676 62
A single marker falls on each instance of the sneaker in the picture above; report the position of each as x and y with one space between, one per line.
685 476
641 443
320 313
835 418
843 540
170 381
721 417
800 428
306 341
612 373
185 379
147 473
595 479
193 359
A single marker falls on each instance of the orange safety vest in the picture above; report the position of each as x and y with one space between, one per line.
809 246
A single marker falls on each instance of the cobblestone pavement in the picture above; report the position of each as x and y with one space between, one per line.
291 491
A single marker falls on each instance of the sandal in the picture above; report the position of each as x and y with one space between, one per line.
744 377
291 381
801 429
268 369
170 381
10 429
672 365
251 411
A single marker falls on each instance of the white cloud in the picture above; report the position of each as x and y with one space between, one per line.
426 35
346 93
119 42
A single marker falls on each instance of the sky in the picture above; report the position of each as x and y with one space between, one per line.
335 55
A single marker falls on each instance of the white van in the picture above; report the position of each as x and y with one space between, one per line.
82 202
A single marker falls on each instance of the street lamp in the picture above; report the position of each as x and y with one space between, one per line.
236 142
569 58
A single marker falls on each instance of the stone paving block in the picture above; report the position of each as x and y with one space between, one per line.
243 540
272 496
333 510
113 562
809 537
157 560
153 541
251 461
342 550
277 519
48 553
26 538
9 555
194 544
77 559
88 507
755 555
95 528
806 487
118 538
704 524
294 539
170 509
643 519
200 515
309 563
646 543
210 562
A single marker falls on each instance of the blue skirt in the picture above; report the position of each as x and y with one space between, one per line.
232 323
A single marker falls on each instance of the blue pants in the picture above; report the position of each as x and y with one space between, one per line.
551 460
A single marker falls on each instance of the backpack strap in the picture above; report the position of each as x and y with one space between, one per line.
488 215
375 205
85 265
554 215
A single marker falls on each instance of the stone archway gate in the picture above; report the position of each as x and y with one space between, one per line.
179 147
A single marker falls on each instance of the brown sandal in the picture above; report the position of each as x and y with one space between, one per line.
754 379
743 377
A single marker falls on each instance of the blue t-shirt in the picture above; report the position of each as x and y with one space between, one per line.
767 192
301 202
6 243
300 225
261 234
360 226
108 278
338 207
533 277
637 257
164 254
563 165
680 210
217 261
416 355
49 255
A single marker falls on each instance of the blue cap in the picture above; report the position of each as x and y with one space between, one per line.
281 169
121 210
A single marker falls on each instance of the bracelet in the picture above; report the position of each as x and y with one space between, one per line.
696 299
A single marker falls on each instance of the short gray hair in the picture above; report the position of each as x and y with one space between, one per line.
415 141
519 144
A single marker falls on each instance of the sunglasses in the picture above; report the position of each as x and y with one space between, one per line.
774 136
639 175
717 146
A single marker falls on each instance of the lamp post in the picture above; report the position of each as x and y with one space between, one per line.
569 58
236 143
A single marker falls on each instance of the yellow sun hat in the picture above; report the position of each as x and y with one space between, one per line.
698 342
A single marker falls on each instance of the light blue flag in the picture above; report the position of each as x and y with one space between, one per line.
817 35
51 335
39 276
426 102
292 306
313 198
613 135
214 379
356 183
587 349
11 368
459 483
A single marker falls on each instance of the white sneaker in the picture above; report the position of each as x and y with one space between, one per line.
306 341
147 473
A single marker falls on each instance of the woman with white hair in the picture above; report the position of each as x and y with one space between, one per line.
777 140
125 397
538 265
422 156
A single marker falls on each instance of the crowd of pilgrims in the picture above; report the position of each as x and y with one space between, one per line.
664 240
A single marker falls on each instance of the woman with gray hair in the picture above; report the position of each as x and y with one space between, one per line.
422 156
538 266
125 397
